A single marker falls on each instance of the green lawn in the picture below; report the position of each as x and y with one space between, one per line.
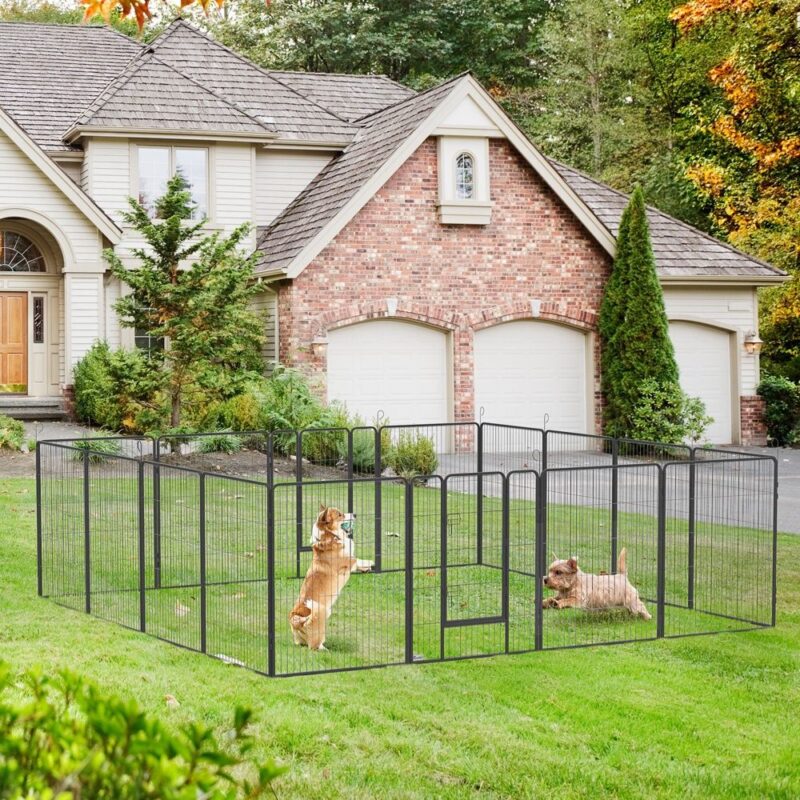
698 717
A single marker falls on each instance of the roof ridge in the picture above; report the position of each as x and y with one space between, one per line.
182 22
147 56
219 97
95 105
664 214
414 96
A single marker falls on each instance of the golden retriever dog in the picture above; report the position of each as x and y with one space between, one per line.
332 562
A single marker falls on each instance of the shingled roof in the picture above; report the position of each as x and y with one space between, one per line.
351 97
680 250
50 73
381 134
249 87
151 95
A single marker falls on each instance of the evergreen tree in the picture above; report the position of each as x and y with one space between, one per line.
633 323
193 292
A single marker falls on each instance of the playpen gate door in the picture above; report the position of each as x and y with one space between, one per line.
474 552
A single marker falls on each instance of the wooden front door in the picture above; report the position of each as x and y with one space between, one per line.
13 342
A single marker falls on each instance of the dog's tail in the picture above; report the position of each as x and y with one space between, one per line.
622 565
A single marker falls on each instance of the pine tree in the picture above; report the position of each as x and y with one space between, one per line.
633 323
191 290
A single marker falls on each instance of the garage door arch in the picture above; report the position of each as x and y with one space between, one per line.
534 371
398 366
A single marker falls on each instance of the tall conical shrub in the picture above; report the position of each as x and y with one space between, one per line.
633 323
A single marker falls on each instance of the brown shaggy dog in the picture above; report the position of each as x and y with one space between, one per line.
576 589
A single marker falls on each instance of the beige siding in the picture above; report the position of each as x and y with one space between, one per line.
73 169
266 305
107 178
731 308
232 186
23 187
113 330
281 176
84 299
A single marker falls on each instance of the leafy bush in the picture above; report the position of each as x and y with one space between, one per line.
782 413
12 433
119 390
412 455
665 413
327 446
364 445
67 739
98 449
224 442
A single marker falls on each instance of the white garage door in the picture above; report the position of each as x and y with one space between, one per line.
396 367
704 360
528 369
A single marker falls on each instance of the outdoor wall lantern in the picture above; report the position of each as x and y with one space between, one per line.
753 343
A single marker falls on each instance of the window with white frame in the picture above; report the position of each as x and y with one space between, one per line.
465 176
156 165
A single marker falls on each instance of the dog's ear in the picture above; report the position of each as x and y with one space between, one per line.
322 507
572 563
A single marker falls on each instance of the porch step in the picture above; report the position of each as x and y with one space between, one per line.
33 408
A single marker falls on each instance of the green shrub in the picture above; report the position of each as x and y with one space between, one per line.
224 442
98 449
665 413
412 455
326 446
119 390
633 323
364 445
782 414
12 433
66 739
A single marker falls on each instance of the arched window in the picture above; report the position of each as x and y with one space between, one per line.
465 177
19 254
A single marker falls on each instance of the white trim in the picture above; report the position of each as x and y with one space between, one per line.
724 280
161 133
466 86
464 132
57 176
307 144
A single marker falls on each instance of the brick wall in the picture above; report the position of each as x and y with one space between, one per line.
754 431
458 278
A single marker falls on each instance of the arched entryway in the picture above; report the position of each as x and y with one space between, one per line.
31 266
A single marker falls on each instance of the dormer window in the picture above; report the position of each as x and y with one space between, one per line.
465 176
464 180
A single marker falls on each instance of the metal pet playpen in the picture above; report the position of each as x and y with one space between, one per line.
203 541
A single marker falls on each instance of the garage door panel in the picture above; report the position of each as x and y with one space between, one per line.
703 354
527 370
396 367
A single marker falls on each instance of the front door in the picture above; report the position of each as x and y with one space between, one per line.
13 343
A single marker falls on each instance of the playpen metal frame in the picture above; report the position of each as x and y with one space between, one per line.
158 546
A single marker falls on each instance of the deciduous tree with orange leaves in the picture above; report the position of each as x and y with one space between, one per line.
751 169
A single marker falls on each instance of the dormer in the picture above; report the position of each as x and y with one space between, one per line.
464 175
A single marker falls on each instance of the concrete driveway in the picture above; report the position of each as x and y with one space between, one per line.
788 485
